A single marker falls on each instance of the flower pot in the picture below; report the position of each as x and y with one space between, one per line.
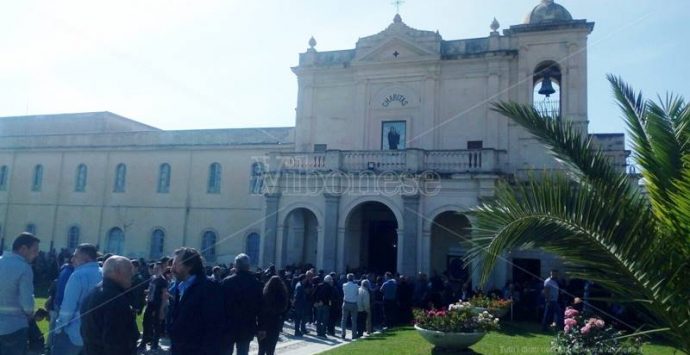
455 341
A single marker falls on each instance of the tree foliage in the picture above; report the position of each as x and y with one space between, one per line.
635 244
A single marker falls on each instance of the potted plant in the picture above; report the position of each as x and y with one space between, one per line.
456 328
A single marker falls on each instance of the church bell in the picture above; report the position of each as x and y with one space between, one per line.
546 87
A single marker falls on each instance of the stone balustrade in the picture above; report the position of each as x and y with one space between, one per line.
408 160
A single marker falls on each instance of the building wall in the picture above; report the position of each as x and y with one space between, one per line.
183 213
342 100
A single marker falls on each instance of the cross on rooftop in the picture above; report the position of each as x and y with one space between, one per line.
397 4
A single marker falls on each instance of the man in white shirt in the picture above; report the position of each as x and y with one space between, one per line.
551 307
350 297
87 274
17 294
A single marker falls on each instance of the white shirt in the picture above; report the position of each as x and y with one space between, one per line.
350 292
363 304
552 286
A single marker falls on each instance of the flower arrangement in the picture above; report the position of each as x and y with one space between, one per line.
582 335
491 304
460 317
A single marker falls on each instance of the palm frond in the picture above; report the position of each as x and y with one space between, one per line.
590 214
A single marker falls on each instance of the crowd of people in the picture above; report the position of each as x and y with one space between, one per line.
94 300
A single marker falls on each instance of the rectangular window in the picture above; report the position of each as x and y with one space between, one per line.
475 145
320 148
37 178
3 178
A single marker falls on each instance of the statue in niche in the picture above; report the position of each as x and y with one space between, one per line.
393 135
393 139
256 182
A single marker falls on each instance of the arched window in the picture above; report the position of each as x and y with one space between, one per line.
214 172
116 241
157 241
164 178
253 243
3 178
73 237
30 228
80 179
120 178
38 178
547 89
208 245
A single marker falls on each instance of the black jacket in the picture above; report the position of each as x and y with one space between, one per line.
324 293
273 313
196 319
108 326
243 295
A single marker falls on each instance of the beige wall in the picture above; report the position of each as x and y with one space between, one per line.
183 213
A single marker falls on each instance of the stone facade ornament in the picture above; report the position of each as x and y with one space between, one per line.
495 26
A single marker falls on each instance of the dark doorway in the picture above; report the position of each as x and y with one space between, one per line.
383 251
457 270
527 276
526 270
372 238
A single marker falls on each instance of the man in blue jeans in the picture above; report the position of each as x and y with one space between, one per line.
551 307
67 338
17 294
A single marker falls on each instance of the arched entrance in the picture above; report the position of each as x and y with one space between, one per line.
372 238
450 233
300 236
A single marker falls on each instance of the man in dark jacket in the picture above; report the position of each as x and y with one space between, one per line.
139 286
108 326
195 320
242 294
153 319
323 296
301 305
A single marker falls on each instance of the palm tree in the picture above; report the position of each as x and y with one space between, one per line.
593 216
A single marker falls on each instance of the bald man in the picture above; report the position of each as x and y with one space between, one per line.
108 325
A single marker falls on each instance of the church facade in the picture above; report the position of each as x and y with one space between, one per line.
394 142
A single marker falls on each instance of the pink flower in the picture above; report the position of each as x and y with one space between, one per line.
571 312
599 323
585 330
570 322
566 328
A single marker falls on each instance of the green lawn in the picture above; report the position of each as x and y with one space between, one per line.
513 338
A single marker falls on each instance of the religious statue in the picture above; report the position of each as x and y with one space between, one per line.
393 138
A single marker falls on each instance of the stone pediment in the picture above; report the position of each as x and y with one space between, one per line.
398 42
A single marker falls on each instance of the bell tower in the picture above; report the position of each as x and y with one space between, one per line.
552 65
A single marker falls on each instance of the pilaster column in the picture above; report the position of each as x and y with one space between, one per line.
426 252
271 228
330 235
410 214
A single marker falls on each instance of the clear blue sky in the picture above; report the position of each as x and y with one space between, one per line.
184 64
